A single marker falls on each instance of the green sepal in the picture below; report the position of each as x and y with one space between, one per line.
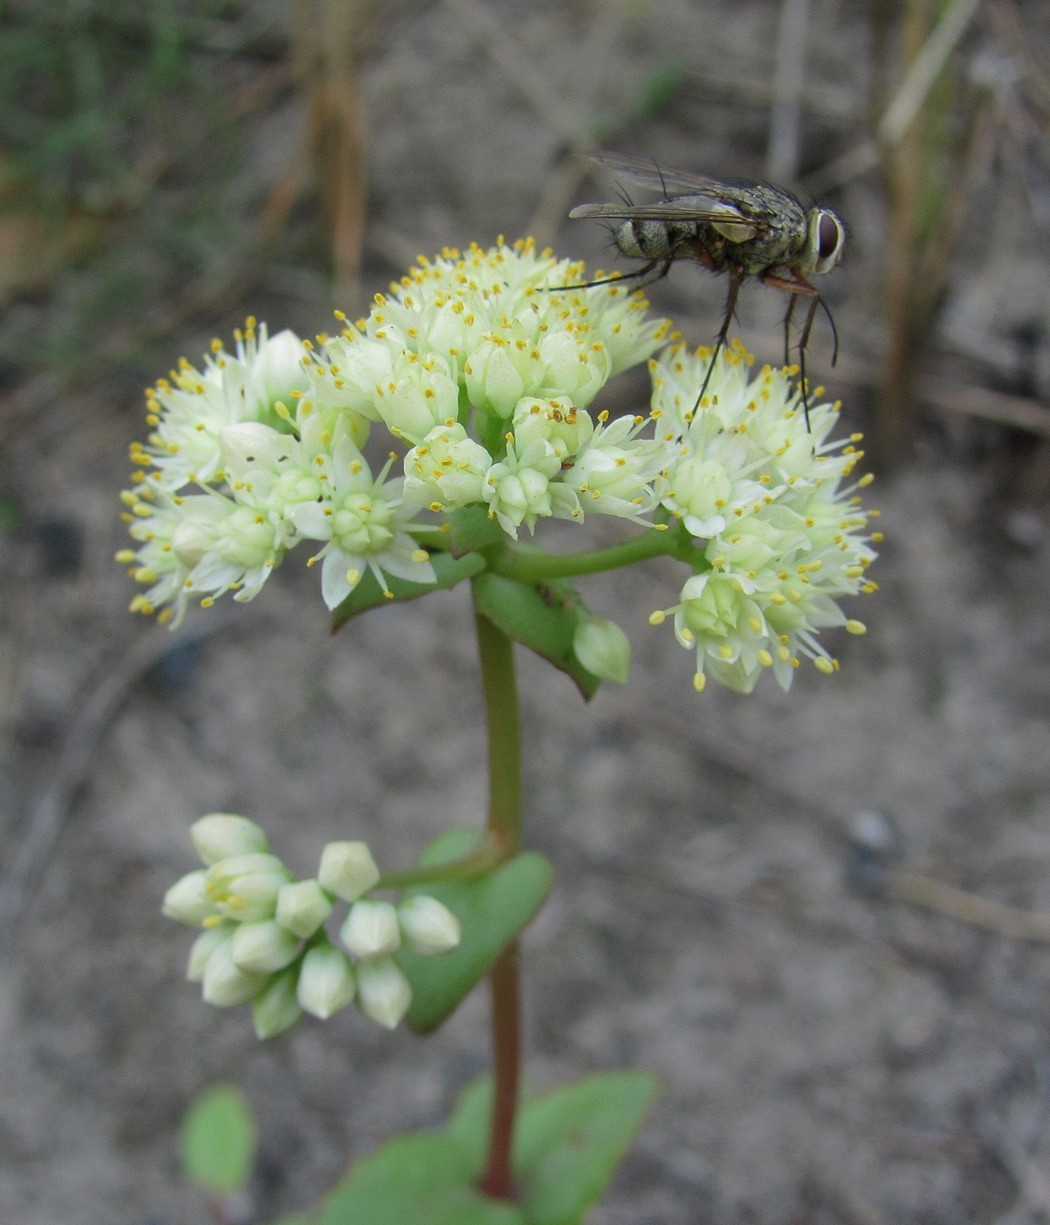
368 594
542 617
473 529
567 1144
424 1176
218 1140
493 908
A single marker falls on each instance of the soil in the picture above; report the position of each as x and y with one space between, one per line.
753 896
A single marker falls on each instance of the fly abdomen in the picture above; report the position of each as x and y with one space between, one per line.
644 239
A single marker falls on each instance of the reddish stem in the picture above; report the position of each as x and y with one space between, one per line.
498 1179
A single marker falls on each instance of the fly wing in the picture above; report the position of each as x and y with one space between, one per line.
736 224
653 177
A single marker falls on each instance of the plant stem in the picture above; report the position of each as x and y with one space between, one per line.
505 980
529 566
503 719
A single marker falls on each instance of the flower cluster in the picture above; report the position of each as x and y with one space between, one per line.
482 369
781 535
264 938
471 364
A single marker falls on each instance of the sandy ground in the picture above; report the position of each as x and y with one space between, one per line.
833 1051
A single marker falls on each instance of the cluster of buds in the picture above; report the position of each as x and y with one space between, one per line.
264 937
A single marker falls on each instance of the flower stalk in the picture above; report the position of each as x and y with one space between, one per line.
503 723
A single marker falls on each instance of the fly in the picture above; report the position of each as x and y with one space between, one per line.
736 226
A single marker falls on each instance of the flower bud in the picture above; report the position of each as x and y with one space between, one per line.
275 1008
302 907
495 381
603 648
383 991
347 870
221 834
263 946
277 371
203 947
427 926
187 901
370 929
326 982
225 983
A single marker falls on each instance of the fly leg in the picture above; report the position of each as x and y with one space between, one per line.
654 270
787 328
803 341
735 278
797 286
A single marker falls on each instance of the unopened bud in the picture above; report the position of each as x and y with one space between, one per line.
326 982
264 946
302 907
371 930
203 947
427 926
221 834
225 983
603 648
383 991
275 1008
347 870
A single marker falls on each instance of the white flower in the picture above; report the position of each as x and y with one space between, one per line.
152 519
245 887
518 489
418 396
613 473
446 470
365 523
261 449
784 538
558 422
188 900
188 410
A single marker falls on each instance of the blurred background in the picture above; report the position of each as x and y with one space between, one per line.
821 917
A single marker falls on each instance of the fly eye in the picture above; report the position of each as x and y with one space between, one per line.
829 237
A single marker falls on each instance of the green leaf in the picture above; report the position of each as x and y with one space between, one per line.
567 1144
426 1177
218 1140
541 617
493 908
368 594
